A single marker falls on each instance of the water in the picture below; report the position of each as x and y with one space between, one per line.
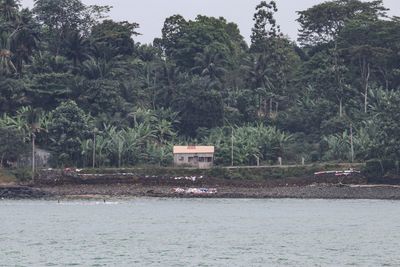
200 232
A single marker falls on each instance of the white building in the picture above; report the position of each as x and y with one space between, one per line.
201 157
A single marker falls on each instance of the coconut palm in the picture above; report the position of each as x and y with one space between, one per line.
24 39
6 64
210 63
9 9
77 48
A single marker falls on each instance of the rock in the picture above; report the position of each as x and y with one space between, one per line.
22 192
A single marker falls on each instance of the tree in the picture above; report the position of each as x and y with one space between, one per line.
366 53
322 23
116 36
50 89
184 40
386 119
265 26
68 127
12 94
12 145
211 63
199 105
172 31
76 48
7 66
9 9
25 39
60 17
271 59
101 97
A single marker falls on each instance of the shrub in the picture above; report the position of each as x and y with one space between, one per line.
374 169
22 175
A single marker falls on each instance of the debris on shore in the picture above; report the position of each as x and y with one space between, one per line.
195 191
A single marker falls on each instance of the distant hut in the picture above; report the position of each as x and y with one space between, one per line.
201 157
42 158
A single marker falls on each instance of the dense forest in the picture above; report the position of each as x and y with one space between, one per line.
75 82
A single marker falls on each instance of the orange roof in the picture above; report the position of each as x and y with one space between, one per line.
193 149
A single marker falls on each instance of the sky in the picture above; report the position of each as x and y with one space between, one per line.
150 14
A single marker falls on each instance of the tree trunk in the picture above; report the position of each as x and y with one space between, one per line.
270 106
338 79
33 157
94 151
366 88
1 161
232 148
351 143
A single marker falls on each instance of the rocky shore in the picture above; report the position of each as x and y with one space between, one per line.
23 192
303 192
61 185
320 191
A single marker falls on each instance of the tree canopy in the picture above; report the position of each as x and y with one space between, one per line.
96 88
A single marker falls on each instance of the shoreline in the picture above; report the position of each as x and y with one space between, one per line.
106 192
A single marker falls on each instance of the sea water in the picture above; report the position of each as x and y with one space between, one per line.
200 232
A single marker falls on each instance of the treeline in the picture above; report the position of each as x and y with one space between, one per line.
74 81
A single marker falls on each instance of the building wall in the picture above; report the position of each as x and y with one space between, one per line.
41 159
202 161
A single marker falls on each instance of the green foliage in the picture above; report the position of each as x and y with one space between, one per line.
115 36
12 145
249 144
183 40
199 105
323 22
69 125
64 60
22 175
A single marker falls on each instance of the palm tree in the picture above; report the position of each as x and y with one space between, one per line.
26 122
6 64
32 119
210 63
24 39
77 47
98 68
9 9
258 72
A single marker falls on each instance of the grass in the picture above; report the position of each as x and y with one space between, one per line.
6 178
267 173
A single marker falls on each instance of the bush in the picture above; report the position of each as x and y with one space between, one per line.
220 173
374 169
6 177
22 175
389 166
379 168
314 156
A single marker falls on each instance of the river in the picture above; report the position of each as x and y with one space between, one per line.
200 232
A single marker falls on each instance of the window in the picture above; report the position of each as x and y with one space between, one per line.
209 159
181 158
201 159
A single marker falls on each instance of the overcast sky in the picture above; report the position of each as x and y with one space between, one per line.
150 14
